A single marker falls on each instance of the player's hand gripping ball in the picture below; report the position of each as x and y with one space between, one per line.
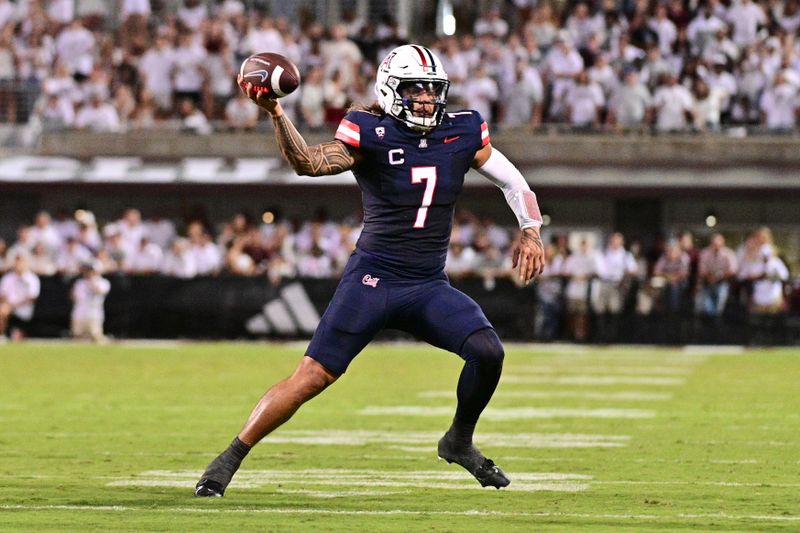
269 75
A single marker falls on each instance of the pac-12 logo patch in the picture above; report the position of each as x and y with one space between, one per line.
380 131
370 281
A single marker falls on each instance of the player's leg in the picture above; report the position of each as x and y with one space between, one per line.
277 406
449 319
353 318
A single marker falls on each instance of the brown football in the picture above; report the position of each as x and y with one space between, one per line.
271 73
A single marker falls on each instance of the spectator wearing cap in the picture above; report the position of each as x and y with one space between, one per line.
88 298
629 107
19 289
716 267
673 103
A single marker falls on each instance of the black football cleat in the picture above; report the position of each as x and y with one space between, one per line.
208 488
485 471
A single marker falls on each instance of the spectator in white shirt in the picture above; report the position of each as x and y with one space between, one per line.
524 98
7 12
745 16
312 99
584 102
193 13
617 265
672 102
19 289
664 28
562 64
131 228
146 259
44 232
630 106
160 231
779 105
98 116
264 36
189 72
490 23
581 25
241 114
41 261
207 257
88 297
342 55
707 106
315 263
192 119
156 68
179 260
72 257
703 27
481 92
75 46
579 268
461 260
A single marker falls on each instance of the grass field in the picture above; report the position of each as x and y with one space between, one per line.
598 439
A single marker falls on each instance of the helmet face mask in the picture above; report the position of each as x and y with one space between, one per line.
412 86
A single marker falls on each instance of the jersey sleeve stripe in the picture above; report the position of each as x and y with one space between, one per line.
484 134
348 135
352 125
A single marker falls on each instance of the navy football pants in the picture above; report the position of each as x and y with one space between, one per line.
368 299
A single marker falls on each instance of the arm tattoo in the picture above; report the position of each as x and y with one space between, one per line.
320 160
532 239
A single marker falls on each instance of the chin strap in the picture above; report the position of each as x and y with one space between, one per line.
521 199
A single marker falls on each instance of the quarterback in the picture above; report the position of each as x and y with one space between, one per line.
409 157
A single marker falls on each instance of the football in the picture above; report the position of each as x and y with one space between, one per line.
271 73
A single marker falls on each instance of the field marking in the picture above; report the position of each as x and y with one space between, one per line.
593 380
341 494
579 394
407 512
600 369
428 479
507 440
510 413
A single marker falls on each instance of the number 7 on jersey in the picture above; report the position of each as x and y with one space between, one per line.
428 175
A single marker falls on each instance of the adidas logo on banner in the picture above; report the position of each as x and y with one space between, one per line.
291 314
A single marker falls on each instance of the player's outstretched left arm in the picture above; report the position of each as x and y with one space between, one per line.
318 160
529 252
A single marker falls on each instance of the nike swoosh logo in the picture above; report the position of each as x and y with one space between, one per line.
260 73
448 140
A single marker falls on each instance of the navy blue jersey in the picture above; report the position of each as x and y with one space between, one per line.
409 183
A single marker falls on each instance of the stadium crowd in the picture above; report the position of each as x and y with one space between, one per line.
620 65
583 278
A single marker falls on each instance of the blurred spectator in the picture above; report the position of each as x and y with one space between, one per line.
312 99
207 257
19 289
88 297
155 68
98 116
41 260
189 69
240 113
578 269
525 98
664 28
562 64
490 23
340 54
584 102
707 106
630 105
616 268
192 119
75 47
549 299
779 105
314 263
717 266
745 17
461 260
672 269
193 13
72 257
179 261
672 102
44 232
481 93
146 258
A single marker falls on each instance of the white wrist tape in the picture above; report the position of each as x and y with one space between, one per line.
521 199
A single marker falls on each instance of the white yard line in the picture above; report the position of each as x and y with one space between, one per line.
407 512
599 369
578 394
593 380
510 413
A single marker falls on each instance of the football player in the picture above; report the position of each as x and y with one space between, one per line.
409 157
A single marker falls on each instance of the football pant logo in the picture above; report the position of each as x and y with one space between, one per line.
369 281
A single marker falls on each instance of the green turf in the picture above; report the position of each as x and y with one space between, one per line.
85 428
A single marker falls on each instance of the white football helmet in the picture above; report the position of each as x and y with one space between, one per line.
407 72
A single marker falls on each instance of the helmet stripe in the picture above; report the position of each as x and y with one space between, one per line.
430 55
421 55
